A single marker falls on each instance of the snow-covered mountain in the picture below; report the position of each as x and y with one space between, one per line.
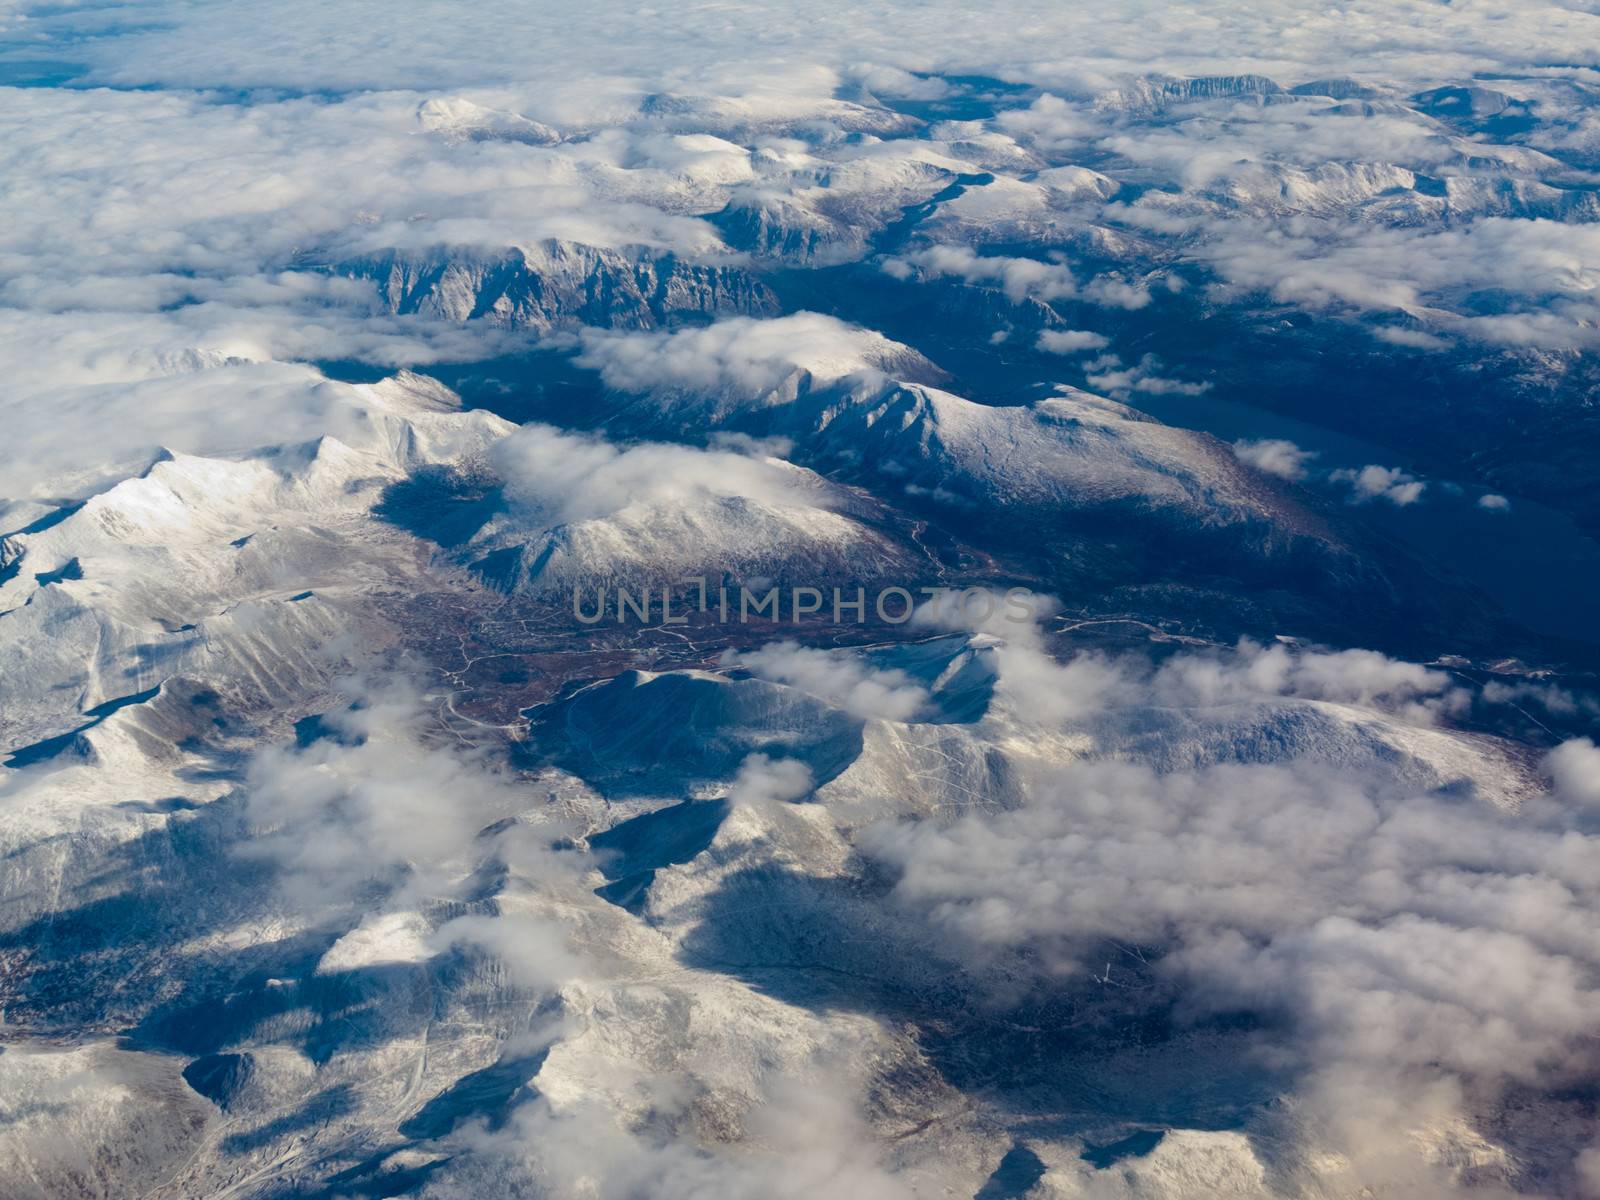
559 285
1180 784
791 526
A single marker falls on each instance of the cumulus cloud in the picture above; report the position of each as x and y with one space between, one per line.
216 407
1114 292
1407 940
1111 375
839 678
1363 206
381 817
288 181
1416 339
1411 940
1403 942
1575 768
229 260
1494 502
1365 678
556 477
498 44
534 950
812 1136
1019 278
740 354
1248 874
883 80
1031 683
1275 456
1049 123
1070 341
1039 689
241 206
1232 146
1374 482
377 801
117 388
763 781
1544 268
205 376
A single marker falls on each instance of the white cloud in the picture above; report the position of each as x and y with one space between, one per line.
1407 945
377 802
534 950
1547 268
1040 689
738 355
763 780
1223 147
1070 341
556 477
499 43
1414 944
1364 678
387 808
1275 456
884 80
117 388
1575 767
839 678
1050 123
1111 375
1020 278
812 1136
1374 482
1494 502
1112 292
212 219
1416 339
162 194
1588 1166
1031 685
